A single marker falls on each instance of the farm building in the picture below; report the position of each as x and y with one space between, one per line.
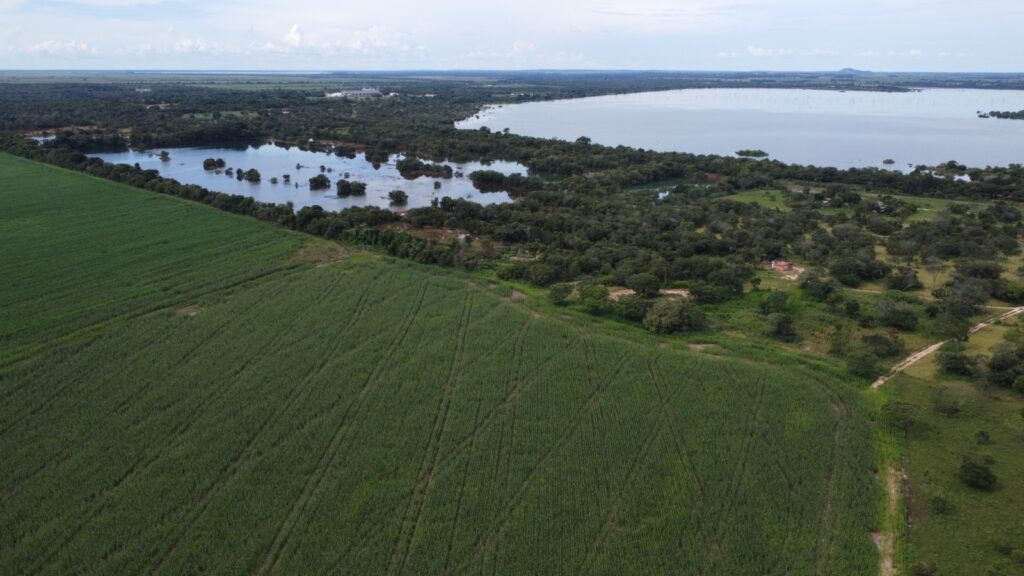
782 266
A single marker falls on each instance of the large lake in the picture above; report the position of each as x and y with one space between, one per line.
186 166
822 128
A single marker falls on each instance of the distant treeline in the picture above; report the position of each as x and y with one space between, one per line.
1006 115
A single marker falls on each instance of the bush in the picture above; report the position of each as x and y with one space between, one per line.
774 303
559 293
398 197
863 363
953 360
897 315
319 182
903 415
884 346
781 326
644 284
947 402
594 297
676 315
940 504
633 308
976 473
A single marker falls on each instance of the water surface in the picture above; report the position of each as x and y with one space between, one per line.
186 166
823 128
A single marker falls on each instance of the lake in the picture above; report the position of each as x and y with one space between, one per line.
818 127
186 166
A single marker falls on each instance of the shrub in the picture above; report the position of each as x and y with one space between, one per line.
774 303
644 284
559 293
863 363
676 315
953 360
633 308
976 473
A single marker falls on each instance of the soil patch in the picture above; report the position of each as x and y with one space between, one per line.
188 310
320 254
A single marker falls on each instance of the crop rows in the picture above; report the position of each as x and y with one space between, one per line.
375 417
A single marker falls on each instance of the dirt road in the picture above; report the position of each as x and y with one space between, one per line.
922 354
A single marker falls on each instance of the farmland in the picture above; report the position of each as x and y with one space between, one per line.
189 391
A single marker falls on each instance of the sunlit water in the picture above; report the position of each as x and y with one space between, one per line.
186 166
822 128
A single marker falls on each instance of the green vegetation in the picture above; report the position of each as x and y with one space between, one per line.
174 376
964 460
752 153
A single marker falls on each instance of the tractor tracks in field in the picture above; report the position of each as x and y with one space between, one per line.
401 551
488 539
241 462
327 457
163 443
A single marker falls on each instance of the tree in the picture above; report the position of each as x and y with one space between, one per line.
977 473
676 315
953 359
863 363
594 297
903 415
633 308
252 175
934 266
774 303
165 156
398 197
895 314
644 284
781 326
319 182
559 293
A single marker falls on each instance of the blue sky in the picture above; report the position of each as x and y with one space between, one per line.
910 35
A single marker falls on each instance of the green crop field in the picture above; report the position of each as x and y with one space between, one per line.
186 391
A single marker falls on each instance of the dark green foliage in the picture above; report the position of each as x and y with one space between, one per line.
780 325
976 472
319 182
884 346
559 293
1006 366
595 297
903 415
895 314
904 279
398 197
633 308
953 360
774 303
947 402
644 284
674 315
214 164
863 363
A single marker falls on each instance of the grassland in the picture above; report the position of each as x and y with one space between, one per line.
185 391
981 530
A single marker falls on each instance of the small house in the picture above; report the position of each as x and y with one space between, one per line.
782 266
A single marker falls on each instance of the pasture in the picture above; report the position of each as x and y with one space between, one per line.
186 391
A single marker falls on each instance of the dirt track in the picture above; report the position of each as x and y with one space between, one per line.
922 354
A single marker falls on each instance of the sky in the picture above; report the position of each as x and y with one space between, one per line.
881 35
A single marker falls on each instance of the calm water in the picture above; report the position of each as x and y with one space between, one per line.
186 166
823 128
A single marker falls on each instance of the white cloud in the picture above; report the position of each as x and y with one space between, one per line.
914 53
56 47
294 36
